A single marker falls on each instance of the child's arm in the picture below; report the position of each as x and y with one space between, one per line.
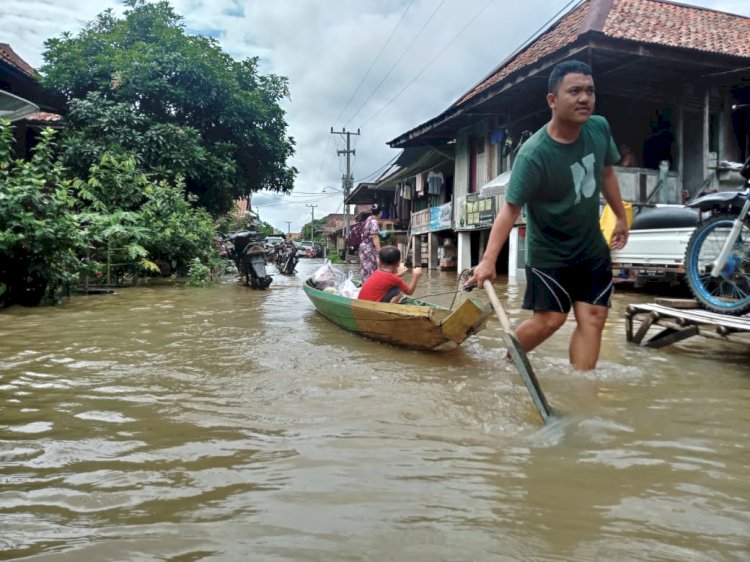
413 283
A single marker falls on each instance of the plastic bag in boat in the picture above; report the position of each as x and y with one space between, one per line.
326 276
348 289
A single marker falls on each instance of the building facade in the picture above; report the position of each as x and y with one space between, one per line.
671 79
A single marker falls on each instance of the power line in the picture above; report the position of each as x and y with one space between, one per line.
456 36
403 54
524 44
377 57
287 203
383 167
530 38
346 180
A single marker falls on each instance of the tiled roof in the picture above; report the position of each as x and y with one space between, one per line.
10 57
677 25
656 22
43 117
564 32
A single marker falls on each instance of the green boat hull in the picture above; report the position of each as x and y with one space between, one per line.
413 323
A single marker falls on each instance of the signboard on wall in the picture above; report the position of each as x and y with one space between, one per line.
476 212
440 217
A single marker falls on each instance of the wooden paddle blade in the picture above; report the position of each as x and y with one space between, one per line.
521 361
518 354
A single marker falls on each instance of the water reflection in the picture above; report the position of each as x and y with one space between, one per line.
233 424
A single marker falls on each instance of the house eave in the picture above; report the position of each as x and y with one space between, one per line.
591 44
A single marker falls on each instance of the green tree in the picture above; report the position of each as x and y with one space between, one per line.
311 230
266 228
134 225
179 103
109 205
180 234
39 232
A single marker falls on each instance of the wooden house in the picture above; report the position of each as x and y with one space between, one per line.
672 80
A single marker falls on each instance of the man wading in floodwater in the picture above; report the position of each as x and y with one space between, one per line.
558 175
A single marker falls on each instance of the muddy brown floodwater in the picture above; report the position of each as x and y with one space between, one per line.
170 423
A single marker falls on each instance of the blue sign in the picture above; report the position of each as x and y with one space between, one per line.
440 217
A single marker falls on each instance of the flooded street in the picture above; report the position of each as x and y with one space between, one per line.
170 423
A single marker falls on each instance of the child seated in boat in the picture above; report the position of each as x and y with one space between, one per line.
385 284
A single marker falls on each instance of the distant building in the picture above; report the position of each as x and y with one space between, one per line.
19 78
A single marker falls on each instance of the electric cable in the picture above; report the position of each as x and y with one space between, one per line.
372 64
456 36
403 54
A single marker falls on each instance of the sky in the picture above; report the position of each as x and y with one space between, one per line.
380 67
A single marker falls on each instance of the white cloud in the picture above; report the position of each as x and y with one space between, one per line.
325 47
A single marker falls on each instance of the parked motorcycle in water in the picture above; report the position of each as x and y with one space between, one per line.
286 257
250 257
717 261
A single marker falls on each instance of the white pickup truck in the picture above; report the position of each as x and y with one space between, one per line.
656 246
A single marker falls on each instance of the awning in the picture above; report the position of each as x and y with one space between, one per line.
496 186
411 162
14 108
363 194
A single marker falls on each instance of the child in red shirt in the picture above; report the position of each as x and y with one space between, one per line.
385 285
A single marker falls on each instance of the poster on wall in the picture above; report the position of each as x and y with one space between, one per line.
476 212
440 217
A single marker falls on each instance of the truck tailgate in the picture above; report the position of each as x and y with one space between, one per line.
664 247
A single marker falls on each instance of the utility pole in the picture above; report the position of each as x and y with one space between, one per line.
347 179
312 224
288 228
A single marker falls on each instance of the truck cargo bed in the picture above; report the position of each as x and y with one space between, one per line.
652 254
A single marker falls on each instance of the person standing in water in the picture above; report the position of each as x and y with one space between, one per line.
370 244
558 176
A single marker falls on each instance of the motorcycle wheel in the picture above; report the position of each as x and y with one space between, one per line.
729 293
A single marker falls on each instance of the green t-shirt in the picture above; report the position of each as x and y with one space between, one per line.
559 184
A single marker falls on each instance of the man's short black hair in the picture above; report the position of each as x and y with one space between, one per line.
389 255
566 67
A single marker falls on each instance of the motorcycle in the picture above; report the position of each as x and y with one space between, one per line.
717 260
250 257
286 257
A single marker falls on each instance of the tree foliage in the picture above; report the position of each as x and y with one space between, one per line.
139 84
265 228
116 224
39 232
133 224
311 230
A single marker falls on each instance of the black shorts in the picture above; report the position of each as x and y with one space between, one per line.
556 289
392 292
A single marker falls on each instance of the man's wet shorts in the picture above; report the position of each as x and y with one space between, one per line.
556 289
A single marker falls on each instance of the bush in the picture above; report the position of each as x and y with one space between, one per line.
199 275
180 233
136 227
115 225
40 240
333 255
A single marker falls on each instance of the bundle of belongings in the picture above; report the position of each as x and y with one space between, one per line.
331 280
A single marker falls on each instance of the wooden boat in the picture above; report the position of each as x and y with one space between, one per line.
412 323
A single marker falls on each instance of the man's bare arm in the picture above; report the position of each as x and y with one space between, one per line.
611 193
501 228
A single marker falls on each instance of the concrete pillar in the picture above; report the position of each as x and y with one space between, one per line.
464 251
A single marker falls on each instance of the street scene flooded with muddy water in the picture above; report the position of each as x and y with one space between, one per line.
171 423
